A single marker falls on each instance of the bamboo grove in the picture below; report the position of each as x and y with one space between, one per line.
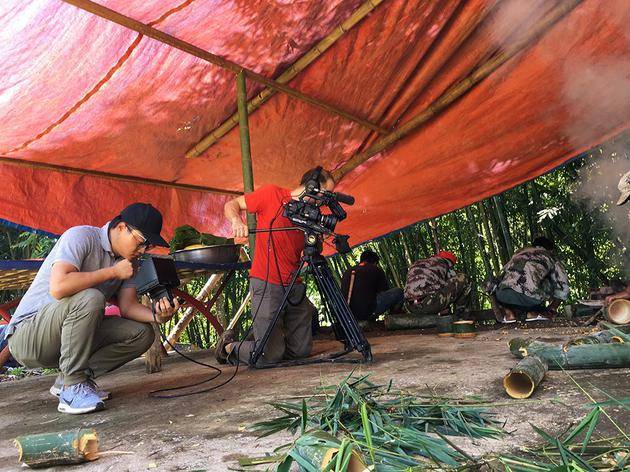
483 235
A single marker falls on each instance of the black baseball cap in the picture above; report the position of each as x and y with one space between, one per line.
147 219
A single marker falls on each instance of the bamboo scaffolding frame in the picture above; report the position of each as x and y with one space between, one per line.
458 89
14 161
184 46
289 73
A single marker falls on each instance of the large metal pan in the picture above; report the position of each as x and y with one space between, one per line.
219 254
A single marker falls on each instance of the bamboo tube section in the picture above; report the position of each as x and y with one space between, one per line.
188 315
464 329
290 73
395 322
62 448
523 379
618 312
457 90
586 356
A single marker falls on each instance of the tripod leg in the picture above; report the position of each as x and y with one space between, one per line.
339 309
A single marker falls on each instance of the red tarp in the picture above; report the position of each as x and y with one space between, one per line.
79 91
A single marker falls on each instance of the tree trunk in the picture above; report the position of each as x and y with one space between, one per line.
500 209
488 238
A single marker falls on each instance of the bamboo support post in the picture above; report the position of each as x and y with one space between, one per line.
458 89
62 448
523 379
240 311
189 314
291 72
246 156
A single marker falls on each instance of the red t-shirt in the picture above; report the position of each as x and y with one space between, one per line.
266 203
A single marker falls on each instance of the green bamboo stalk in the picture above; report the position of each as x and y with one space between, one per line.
488 238
470 218
246 155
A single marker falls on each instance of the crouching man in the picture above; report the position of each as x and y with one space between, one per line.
60 321
434 286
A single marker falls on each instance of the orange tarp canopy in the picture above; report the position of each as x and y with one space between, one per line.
79 91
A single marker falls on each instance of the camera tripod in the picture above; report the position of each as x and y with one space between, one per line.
343 322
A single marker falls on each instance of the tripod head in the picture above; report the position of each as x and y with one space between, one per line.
306 214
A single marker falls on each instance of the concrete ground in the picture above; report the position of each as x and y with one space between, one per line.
207 431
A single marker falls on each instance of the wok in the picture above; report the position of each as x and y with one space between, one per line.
219 254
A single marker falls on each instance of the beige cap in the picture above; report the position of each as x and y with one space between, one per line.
624 188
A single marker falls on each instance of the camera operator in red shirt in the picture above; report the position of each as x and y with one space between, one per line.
276 258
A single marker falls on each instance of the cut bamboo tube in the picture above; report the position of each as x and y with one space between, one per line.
394 322
291 72
586 356
445 326
464 329
457 90
189 314
62 448
523 379
618 312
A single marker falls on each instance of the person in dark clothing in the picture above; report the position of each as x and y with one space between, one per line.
366 290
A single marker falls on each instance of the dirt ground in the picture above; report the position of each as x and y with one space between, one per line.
207 431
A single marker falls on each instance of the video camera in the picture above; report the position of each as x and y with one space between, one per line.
156 278
306 212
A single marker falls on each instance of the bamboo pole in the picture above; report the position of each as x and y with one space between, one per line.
177 43
189 314
13 161
488 237
289 73
246 155
585 356
458 89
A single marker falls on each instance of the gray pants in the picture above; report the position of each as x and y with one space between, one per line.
292 336
73 335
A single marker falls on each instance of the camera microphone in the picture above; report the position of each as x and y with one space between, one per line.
344 198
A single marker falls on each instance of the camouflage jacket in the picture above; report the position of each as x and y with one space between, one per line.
426 276
534 271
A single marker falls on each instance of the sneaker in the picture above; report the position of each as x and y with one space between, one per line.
58 385
79 398
507 321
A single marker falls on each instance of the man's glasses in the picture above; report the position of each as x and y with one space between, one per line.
144 243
